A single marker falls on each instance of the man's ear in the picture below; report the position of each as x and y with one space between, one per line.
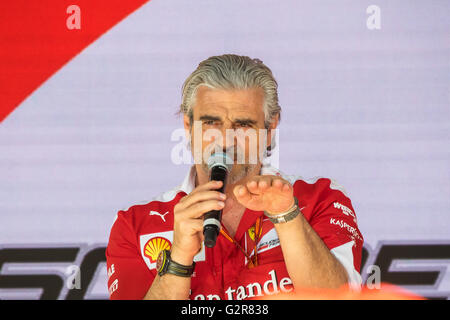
273 125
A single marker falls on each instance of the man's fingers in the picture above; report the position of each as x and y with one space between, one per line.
201 196
191 226
211 185
277 184
242 194
252 186
259 184
200 208
264 183
286 188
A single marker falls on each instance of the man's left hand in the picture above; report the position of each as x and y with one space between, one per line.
268 192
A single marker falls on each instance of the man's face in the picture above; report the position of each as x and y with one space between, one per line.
236 113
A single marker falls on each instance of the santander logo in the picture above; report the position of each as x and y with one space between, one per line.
252 290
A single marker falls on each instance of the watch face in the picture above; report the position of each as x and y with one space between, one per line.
160 261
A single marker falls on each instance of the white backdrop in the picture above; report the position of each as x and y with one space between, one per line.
369 108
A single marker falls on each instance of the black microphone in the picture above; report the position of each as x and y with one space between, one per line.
219 165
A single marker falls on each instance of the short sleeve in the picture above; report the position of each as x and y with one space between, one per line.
128 276
334 220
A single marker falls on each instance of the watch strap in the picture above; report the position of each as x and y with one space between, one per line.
180 270
167 265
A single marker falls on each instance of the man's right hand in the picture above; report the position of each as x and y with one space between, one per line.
188 220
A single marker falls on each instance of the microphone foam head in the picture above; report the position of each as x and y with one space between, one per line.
220 159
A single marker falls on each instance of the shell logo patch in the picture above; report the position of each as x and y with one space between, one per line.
154 246
151 244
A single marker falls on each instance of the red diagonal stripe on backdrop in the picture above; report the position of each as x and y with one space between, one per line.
35 41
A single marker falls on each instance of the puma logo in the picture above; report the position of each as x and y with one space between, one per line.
162 216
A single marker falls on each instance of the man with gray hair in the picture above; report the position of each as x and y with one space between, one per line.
278 233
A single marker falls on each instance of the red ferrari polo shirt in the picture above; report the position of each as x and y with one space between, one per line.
230 270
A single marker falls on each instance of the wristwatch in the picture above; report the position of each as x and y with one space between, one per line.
164 264
285 216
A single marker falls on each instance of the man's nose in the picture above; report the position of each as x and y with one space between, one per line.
229 137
